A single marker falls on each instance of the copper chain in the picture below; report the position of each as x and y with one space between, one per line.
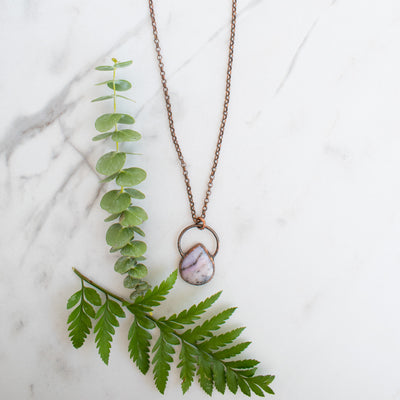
197 219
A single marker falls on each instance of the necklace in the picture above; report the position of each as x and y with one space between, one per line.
197 265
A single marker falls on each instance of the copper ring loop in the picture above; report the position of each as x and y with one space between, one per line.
198 226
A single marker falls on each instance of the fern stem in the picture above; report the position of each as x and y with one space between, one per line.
105 291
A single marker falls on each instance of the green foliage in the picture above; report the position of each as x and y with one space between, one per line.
126 135
107 319
115 201
111 163
204 353
121 236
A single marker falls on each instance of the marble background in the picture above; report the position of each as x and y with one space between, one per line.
306 199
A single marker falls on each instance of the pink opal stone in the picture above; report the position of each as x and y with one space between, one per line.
197 265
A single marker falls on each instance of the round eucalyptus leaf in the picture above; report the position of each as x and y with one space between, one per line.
135 194
138 211
140 271
120 84
115 202
107 121
111 162
124 264
130 282
126 135
101 136
126 119
131 176
134 249
117 236
104 68
123 64
101 98
133 216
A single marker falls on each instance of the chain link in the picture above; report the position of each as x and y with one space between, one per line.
196 219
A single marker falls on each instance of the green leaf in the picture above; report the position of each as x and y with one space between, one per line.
256 389
218 372
140 271
124 264
116 309
126 119
139 346
263 381
126 135
122 64
231 351
205 374
79 323
153 297
133 216
135 194
107 121
215 342
187 317
231 380
92 296
187 357
138 231
131 176
212 324
117 236
126 98
101 98
134 249
115 202
104 328
112 217
101 136
244 387
109 178
242 364
120 84
110 163
162 360
104 68
74 299
131 283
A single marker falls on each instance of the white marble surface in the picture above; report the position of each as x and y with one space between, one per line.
306 199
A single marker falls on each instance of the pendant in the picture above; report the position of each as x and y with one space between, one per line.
197 265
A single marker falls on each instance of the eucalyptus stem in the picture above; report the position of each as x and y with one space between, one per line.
115 105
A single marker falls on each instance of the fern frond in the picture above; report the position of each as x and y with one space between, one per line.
187 364
79 320
107 319
139 346
162 359
205 329
155 296
203 352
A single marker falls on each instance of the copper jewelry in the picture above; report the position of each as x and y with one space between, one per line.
197 264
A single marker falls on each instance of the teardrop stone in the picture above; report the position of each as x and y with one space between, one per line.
197 265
